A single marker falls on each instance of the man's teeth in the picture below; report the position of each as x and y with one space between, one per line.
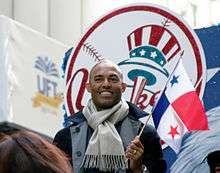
105 93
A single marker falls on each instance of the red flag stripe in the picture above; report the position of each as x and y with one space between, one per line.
190 110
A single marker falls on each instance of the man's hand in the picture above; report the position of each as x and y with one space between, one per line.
134 153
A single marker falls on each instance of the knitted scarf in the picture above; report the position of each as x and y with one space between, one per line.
105 149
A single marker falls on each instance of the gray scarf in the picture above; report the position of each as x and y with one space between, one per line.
105 149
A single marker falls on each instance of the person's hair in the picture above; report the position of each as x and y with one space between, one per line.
106 62
2 135
27 152
213 160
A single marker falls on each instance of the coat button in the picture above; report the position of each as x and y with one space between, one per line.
77 130
78 153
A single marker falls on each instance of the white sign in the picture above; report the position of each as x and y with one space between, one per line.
32 88
146 41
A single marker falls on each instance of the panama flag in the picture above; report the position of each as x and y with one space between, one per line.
178 109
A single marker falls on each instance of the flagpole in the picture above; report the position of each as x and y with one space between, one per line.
142 129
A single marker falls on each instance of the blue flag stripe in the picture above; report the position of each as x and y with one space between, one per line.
160 108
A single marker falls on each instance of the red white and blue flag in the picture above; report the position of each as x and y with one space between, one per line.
178 109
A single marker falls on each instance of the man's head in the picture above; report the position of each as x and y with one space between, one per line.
105 84
213 159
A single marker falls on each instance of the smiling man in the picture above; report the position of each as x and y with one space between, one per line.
105 85
102 137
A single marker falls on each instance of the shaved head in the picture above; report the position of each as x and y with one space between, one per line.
105 84
105 61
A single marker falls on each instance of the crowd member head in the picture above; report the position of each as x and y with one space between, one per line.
2 135
26 152
106 84
213 159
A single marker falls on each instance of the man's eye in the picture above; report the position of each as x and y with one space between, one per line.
98 79
114 79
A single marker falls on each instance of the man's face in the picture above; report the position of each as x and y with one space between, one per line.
106 86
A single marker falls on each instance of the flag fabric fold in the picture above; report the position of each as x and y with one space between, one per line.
178 109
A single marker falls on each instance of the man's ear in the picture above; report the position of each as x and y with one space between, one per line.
124 85
88 87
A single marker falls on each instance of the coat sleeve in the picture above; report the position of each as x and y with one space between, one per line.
153 156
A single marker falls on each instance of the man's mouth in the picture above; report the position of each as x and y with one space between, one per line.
106 93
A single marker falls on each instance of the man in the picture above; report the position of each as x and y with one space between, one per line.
213 160
102 135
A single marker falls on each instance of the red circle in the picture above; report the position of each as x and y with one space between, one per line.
138 8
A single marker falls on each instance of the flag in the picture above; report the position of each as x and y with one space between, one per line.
178 109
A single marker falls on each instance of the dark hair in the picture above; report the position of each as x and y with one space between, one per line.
213 160
26 152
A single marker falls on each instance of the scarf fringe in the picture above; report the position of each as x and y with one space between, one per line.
105 162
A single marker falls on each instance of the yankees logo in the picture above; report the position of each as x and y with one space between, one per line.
146 41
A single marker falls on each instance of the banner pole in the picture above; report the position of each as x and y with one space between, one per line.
142 129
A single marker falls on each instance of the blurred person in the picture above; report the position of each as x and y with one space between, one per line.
2 135
102 135
213 160
26 152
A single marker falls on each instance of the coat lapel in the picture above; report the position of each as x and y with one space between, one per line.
129 130
78 139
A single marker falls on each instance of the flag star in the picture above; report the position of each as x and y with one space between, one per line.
133 54
174 80
142 52
173 131
153 54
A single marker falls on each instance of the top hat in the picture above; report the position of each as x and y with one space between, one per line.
153 42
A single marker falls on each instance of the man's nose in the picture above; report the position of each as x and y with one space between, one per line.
106 83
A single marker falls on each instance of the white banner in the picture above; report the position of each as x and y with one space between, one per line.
30 72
